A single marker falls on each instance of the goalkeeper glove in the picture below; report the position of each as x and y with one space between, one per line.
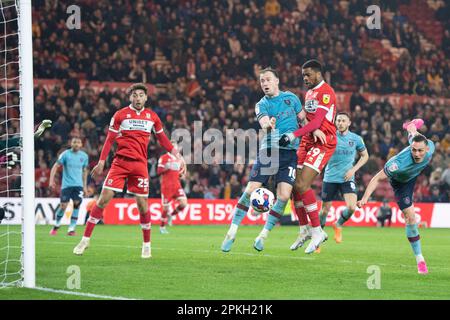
44 125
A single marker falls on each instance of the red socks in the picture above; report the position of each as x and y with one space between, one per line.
300 209
311 207
97 214
306 206
94 218
145 225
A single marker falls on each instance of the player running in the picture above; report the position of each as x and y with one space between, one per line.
340 173
320 106
279 108
74 162
169 169
402 171
131 127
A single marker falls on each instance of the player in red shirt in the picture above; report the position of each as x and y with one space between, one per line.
131 127
169 169
320 107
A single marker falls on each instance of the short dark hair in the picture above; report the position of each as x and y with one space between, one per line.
313 64
137 86
269 69
419 138
343 113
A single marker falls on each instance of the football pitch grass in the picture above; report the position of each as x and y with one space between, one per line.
187 264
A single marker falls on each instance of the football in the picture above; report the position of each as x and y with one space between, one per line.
261 200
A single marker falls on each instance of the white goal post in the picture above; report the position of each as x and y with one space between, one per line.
27 133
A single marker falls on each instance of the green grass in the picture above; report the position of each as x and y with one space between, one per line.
188 264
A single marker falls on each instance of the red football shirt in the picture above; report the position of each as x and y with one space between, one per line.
134 128
322 96
170 179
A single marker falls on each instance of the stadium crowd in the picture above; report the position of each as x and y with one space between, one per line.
205 71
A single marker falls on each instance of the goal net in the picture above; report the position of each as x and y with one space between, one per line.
16 145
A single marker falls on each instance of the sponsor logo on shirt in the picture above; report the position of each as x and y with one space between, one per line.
311 105
137 124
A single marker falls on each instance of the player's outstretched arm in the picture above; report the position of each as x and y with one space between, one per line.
308 128
44 125
373 184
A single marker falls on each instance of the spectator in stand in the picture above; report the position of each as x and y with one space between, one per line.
201 72
437 195
197 192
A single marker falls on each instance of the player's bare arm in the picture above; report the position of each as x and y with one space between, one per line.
267 123
373 184
319 134
363 158
98 168
85 175
55 168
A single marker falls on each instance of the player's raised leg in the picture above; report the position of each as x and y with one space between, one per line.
283 194
96 215
350 203
239 213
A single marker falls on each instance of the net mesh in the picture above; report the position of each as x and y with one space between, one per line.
11 270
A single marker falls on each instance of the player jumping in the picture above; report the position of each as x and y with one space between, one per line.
131 127
74 162
320 106
340 172
402 171
169 169
280 108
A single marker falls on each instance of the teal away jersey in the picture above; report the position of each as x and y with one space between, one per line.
343 158
403 168
73 165
285 107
